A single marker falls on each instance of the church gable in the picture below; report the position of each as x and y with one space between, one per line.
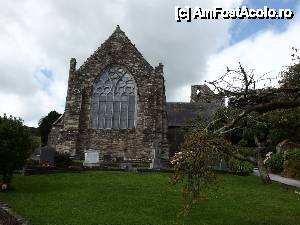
115 105
117 50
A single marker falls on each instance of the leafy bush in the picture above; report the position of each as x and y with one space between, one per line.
275 163
77 163
15 146
36 142
292 154
62 159
291 168
240 166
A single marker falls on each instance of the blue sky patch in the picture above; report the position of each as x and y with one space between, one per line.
44 77
47 73
241 29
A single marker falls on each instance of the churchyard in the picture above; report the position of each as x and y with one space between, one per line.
103 197
120 152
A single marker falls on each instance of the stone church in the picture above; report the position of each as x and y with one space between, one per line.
116 105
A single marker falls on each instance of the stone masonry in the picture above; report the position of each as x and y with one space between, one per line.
73 133
203 94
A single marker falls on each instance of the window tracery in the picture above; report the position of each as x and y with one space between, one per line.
114 100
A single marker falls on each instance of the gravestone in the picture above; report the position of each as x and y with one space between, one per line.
35 156
91 158
156 163
126 166
223 165
47 155
286 145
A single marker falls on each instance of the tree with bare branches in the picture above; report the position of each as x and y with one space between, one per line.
242 129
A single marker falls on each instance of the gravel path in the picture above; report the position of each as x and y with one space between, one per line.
280 179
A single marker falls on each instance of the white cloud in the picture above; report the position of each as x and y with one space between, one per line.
266 52
45 34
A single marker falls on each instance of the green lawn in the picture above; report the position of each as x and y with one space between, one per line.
146 198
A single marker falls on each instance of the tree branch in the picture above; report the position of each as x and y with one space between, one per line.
261 108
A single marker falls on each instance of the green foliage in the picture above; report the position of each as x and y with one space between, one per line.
293 154
286 162
275 126
245 129
77 163
45 125
252 124
35 142
291 76
275 163
15 146
33 131
283 124
240 166
222 116
291 168
193 164
62 159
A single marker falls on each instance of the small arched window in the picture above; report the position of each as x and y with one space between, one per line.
114 100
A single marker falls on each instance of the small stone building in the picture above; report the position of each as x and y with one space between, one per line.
116 105
203 103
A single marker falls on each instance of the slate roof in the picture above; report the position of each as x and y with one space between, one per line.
180 113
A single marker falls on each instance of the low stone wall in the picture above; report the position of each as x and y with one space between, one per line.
132 167
49 170
9 217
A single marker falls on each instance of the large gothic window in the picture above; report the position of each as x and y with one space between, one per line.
114 100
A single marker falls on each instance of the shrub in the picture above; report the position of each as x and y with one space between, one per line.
291 168
240 166
275 163
62 159
36 142
15 146
77 163
293 154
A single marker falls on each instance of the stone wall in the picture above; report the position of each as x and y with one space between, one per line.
74 134
9 217
181 115
203 94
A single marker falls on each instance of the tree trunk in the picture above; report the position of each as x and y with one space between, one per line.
264 174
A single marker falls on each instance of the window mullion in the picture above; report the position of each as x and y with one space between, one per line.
120 103
105 108
127 117
97 114
113 106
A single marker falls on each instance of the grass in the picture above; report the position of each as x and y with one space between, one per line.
134 198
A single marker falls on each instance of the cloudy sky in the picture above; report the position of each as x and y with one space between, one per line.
38 38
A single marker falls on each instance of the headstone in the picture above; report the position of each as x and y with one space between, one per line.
91 158
47 155
286 145
223 165
35 156
156 163
126 166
